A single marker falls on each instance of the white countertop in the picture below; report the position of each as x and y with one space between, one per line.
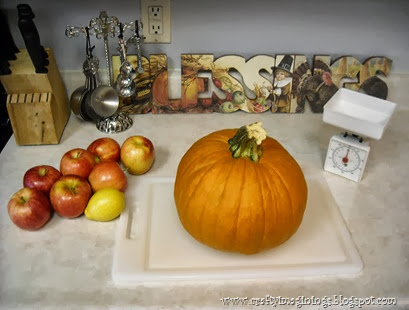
67 264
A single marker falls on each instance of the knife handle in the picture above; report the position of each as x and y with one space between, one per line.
4 67
5 36
31 38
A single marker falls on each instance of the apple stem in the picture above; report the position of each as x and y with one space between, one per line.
23 199
42 172
71 186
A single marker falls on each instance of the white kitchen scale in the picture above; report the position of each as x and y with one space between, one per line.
362 116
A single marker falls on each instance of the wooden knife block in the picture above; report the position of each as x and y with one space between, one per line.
37 103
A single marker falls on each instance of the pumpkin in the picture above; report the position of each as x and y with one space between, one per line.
238 190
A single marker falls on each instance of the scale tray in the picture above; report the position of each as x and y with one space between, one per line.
358 113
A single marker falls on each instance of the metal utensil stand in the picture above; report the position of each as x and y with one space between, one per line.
104 27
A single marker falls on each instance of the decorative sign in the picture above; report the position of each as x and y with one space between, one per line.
280 84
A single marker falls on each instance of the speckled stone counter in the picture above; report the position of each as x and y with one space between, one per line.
67 264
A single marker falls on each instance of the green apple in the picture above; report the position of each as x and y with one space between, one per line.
227 107
226 83
239 97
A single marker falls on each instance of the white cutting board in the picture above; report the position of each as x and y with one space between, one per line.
152 245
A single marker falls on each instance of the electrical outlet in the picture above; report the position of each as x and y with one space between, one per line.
156 21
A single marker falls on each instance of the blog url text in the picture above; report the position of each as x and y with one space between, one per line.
301 301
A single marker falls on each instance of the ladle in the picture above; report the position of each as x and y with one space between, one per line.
104 100
78 97
100 100
75 100
124 84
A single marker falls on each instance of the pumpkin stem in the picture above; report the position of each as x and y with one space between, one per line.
247 142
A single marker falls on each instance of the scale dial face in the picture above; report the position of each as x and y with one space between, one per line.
346 157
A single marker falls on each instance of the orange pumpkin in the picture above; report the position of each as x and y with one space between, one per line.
240 191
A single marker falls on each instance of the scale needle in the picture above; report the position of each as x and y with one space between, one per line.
345 159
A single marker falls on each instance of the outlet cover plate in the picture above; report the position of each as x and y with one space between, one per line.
163 36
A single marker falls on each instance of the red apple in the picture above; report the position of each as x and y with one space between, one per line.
69 195
137 154
108 174
41 177
29 208
217 83
78 162
229 96
206 102
105 149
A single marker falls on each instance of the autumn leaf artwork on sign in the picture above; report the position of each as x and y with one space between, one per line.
279 84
